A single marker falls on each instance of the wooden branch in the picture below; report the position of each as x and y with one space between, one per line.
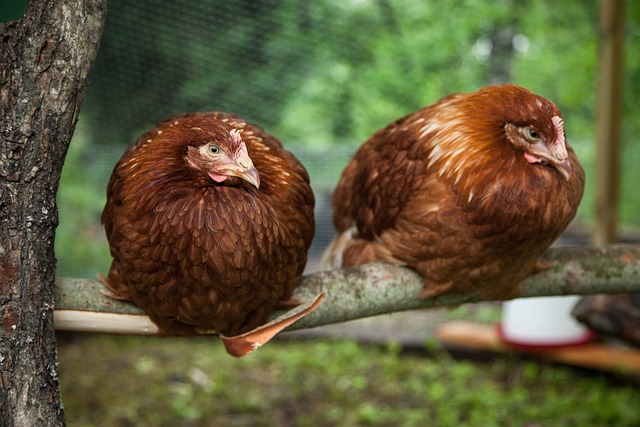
369 290
375 289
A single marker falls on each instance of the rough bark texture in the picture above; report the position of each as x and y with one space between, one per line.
45 60
374 289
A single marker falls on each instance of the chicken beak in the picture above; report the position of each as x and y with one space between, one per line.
555 155
249 174
559 158
243 168
564 167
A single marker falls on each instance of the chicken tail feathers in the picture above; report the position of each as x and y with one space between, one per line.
113 286
347 250
333 255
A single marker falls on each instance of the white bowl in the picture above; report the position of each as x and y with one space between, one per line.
542 322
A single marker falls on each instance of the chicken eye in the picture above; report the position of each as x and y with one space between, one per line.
214 150
533 134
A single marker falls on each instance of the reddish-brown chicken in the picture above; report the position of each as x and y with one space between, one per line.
209 220
469 192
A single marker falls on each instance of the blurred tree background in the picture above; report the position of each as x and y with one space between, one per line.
323 76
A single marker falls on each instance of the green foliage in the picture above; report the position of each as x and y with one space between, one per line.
323 76
560 62
483 313
12 10
161 382
322 73
630 206
81 246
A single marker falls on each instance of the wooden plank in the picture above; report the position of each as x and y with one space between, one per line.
476 336
112 323
610 78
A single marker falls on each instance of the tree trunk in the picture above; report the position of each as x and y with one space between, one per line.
45 60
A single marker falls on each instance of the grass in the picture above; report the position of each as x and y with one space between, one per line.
135 381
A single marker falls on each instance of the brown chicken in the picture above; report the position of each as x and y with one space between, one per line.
209 220
469 192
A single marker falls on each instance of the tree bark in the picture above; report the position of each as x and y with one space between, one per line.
45 60
370 290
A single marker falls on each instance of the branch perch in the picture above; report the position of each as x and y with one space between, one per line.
370 290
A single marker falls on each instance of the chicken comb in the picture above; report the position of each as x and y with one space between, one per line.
559 143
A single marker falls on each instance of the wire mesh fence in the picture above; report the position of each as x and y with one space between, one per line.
160 58
321 76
